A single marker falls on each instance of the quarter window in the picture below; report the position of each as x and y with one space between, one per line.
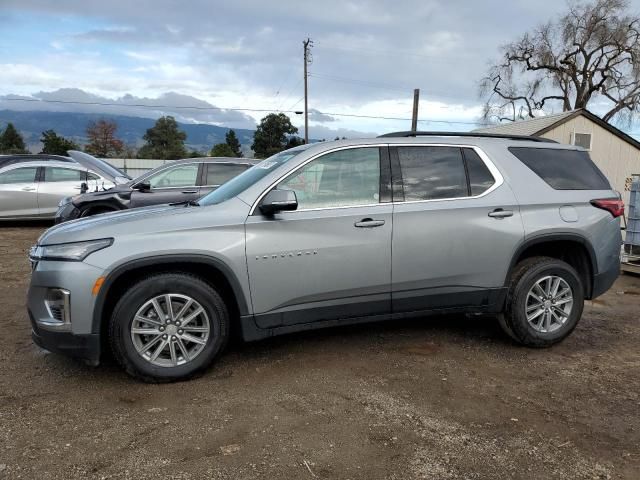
19 175
431 173
338 179
180 176
55 174
480 178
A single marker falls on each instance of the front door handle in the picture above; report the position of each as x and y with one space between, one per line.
501 213
189 191
28 189
368 223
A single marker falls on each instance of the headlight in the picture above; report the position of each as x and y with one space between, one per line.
64 201
75 252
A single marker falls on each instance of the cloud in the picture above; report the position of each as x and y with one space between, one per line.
73 99
367 57
317 116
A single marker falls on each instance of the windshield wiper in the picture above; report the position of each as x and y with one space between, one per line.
186 203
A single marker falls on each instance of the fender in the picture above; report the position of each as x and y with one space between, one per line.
155 260
551 237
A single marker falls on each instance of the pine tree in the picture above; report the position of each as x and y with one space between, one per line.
11 141
54 144
232 140
164 141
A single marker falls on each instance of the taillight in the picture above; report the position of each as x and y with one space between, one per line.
614 206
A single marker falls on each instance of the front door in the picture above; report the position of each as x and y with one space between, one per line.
456 226
178 183
331 258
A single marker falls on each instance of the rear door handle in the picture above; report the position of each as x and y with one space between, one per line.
501 213
369 223
28 189
189 191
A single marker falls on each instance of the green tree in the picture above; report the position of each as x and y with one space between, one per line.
11 141
222 150
102 139
271 136
54 144
232 140
164 141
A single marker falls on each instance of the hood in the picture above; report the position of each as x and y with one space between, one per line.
99 166
147 222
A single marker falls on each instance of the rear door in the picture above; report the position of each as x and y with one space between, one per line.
178 183
19 192
215 174
57 183
456 225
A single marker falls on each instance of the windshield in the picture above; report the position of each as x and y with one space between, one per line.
239 184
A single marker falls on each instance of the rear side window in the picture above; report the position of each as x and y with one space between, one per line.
563 169
219 173
431 173
56 174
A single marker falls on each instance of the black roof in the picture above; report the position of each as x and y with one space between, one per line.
32 157
410 133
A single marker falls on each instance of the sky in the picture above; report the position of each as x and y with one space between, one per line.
368 56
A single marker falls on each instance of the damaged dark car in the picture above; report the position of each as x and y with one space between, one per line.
174 182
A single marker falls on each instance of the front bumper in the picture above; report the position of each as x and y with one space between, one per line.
86 347
67 212
64 327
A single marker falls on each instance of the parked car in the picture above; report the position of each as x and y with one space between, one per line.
33 189
177 181
6 160
335 233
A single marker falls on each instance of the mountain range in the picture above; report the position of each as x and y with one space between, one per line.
71 125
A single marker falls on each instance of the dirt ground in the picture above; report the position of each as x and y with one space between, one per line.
433 398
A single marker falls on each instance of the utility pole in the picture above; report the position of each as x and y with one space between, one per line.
307 44
414 117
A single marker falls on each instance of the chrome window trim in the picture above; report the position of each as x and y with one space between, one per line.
310 159
497 176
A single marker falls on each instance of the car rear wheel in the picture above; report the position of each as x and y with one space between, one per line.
168 327
544 303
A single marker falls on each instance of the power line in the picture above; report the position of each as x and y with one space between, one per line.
235 109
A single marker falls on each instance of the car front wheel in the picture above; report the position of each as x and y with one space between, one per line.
168 327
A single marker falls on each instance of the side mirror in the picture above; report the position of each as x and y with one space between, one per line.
277 201
142 186
84 188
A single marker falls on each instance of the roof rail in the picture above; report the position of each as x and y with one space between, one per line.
465 134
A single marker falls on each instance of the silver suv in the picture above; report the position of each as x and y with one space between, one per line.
335 233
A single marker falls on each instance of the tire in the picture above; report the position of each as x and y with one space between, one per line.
524 298
181 357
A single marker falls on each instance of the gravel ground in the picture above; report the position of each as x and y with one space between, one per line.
445 397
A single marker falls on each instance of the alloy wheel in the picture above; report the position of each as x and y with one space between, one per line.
170 330
549 303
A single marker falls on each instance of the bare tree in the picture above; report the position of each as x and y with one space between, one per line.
593 51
